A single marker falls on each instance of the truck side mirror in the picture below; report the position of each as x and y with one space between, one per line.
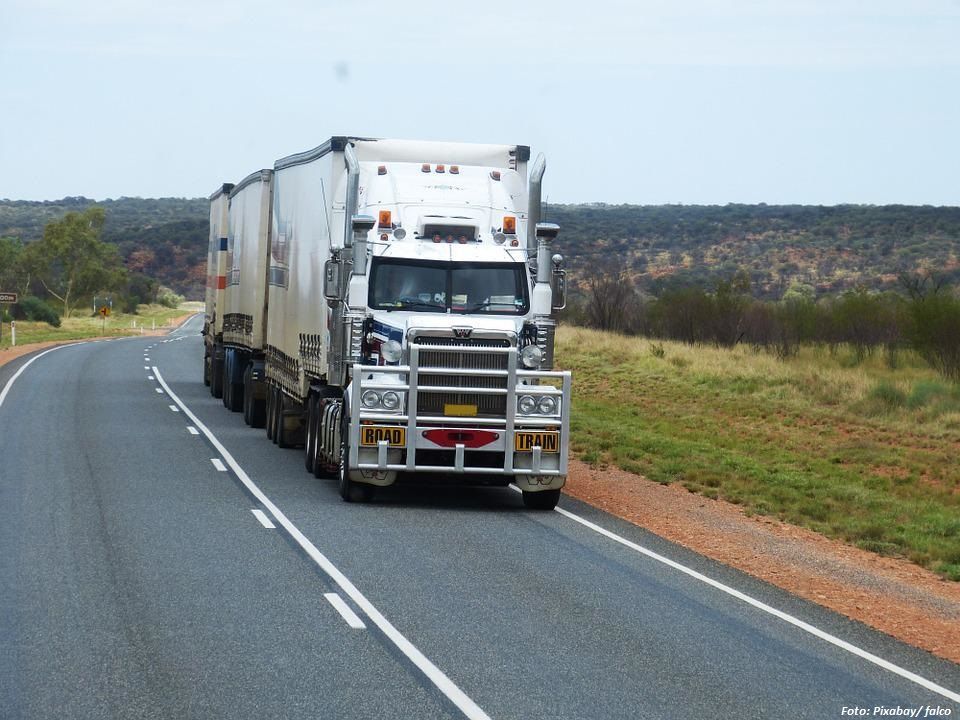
558 282
331 282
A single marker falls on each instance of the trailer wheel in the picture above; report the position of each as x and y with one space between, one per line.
232 392
350 491
543 500
257 407
225 384
247 398
310 445
270 417
206 370
283 437
216 377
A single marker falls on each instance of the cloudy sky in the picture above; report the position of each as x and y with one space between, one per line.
682 101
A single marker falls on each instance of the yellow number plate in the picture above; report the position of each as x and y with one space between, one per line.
548 441
451 410
373 434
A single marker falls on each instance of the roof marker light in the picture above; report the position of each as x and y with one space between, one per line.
382 170
441 168
425 167
454 169
385 219
495 174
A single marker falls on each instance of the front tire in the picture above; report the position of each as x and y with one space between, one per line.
350 490
542 500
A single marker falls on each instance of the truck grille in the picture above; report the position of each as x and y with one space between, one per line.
433 403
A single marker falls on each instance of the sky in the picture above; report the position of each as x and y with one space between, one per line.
643 102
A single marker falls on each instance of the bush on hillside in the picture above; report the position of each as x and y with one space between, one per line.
35 309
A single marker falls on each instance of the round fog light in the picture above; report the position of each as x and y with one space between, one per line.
526 404
370 398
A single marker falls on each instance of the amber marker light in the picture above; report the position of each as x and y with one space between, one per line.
384 219
509 225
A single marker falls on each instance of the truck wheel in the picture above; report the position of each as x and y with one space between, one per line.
233 394
350 491
247 398
225 384
257 408
270 415
282 436
310 445
216 377
206 370
543 500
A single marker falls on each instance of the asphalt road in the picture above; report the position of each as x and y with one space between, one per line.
136 581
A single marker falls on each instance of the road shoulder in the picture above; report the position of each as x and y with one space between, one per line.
891 595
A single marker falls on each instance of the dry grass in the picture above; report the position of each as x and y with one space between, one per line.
853 448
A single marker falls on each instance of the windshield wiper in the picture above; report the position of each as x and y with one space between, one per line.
475 307
416 303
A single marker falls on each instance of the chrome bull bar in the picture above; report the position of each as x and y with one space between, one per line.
407 377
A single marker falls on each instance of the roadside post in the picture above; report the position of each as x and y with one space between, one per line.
6 300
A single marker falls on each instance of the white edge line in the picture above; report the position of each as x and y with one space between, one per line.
218 464
341 607
28 363
264 520
443 683
796 622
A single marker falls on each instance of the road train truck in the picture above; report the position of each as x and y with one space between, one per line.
390 307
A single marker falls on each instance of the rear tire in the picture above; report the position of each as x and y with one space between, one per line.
310 445
282 435
206 370
232 392
216 377
542 500
247 398
257 407
350 491
270 425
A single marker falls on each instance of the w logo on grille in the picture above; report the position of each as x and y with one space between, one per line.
462 332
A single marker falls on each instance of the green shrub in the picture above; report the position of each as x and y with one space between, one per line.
925 391
168 298
35 309
887 395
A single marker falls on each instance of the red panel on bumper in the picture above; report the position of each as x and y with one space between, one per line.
468 438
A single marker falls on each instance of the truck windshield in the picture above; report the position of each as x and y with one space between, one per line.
492 288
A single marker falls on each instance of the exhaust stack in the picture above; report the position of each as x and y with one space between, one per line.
533 203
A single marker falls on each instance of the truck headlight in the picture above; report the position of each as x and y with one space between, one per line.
547 405
390 400
526 404
391 351
531 356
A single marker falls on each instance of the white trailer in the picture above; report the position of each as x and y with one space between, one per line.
216 283
410 296
245 296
